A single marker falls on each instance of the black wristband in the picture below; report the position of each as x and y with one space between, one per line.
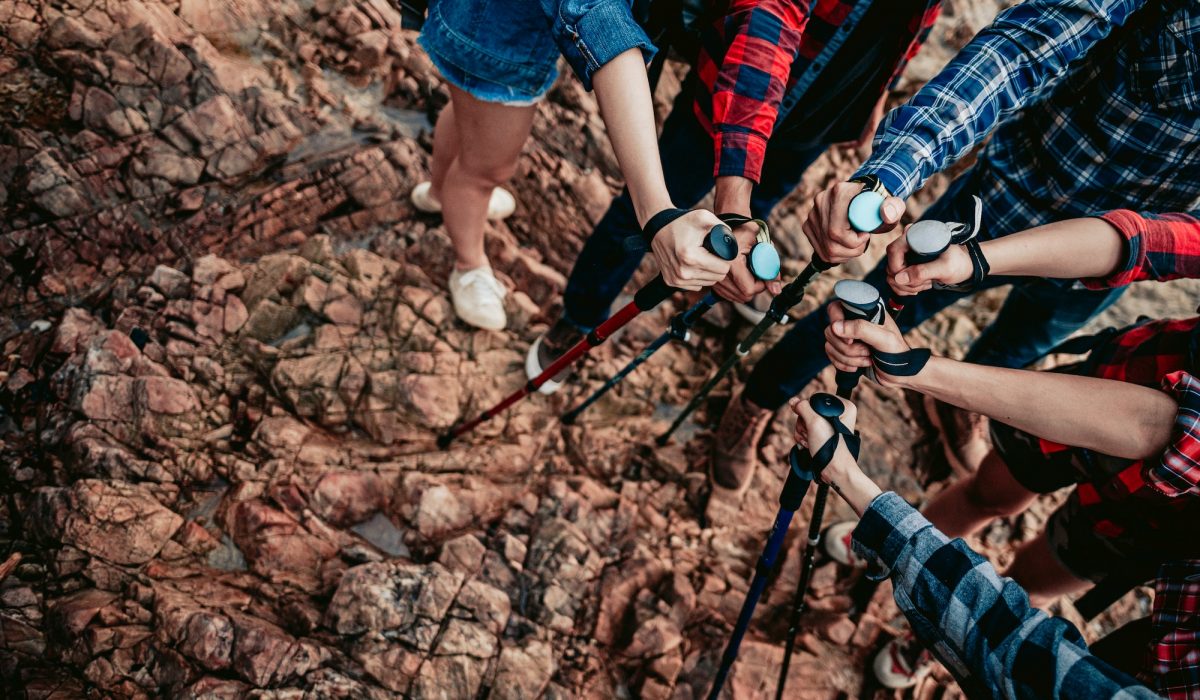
901 364
660 221
979 269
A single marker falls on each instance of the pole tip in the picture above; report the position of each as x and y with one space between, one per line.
568 418
662 440
444 440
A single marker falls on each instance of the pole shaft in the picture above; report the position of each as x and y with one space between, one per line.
788 297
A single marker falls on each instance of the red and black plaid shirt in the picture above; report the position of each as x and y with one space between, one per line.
1158 354
761 49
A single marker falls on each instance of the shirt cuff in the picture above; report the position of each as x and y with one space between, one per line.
1178 472
592 38
739 153
897 170
883 533
1133 229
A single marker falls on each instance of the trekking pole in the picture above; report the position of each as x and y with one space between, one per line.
719 242
860 300
677 329
791 295
927 240
763 262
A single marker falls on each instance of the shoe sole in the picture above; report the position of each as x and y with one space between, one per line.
533 368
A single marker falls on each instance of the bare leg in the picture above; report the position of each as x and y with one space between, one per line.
490 137
968 505
445 149
1041 574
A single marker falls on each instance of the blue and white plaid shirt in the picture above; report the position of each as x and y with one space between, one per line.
979 625
1095 105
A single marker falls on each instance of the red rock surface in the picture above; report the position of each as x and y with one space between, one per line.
228 350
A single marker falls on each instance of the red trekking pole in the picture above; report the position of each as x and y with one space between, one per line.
719 242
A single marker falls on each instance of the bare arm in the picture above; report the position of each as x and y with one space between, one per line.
1109 416
623 91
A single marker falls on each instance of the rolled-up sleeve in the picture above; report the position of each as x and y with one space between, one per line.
590 33
1178 472
1158 247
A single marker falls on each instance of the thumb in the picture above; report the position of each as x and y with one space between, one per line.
892 210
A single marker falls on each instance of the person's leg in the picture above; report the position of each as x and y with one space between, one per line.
970 504
783 169
1041 574
490 138
1037 315
606 264
445 149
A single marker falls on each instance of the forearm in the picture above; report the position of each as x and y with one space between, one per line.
1072 249
733 195
844 476
1111 417
623 91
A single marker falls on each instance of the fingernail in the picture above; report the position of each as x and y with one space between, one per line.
902 277
838 327
892 209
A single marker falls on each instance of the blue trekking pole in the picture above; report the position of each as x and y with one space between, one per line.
860 300
677 329
763 262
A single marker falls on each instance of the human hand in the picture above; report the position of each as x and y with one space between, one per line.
679 250
812 431
952 267
828 224
849 343
741 285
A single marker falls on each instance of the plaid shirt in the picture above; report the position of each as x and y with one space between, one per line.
1161 493
1095 105
763 54
978 624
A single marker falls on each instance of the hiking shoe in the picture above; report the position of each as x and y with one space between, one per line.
478 298
836 542
561 337
902 663
756 309
501 205
735 445
965 437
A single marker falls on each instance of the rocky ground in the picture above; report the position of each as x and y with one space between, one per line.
227 351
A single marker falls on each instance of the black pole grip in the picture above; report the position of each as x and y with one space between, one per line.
721 243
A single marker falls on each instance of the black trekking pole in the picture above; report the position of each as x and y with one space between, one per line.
864 216
763 262
791 295
860 300
677 329
719 242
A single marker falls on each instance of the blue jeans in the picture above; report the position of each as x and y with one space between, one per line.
1037 315
605 265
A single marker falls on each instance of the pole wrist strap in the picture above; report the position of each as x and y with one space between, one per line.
901 364
979 269
660 221
809 469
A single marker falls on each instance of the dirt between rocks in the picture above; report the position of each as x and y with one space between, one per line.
228 349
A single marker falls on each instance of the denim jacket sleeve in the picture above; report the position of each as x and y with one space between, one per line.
590 33
980 625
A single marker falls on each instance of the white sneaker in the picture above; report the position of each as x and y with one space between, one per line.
902 663
478 298
756 310
500 206
836 541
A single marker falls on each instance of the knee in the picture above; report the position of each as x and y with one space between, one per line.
985 502
488 173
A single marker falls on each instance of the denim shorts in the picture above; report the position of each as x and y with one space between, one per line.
494 50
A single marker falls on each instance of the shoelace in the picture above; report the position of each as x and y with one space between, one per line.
483 276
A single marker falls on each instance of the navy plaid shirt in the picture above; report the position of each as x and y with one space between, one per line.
1095 105
979 625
